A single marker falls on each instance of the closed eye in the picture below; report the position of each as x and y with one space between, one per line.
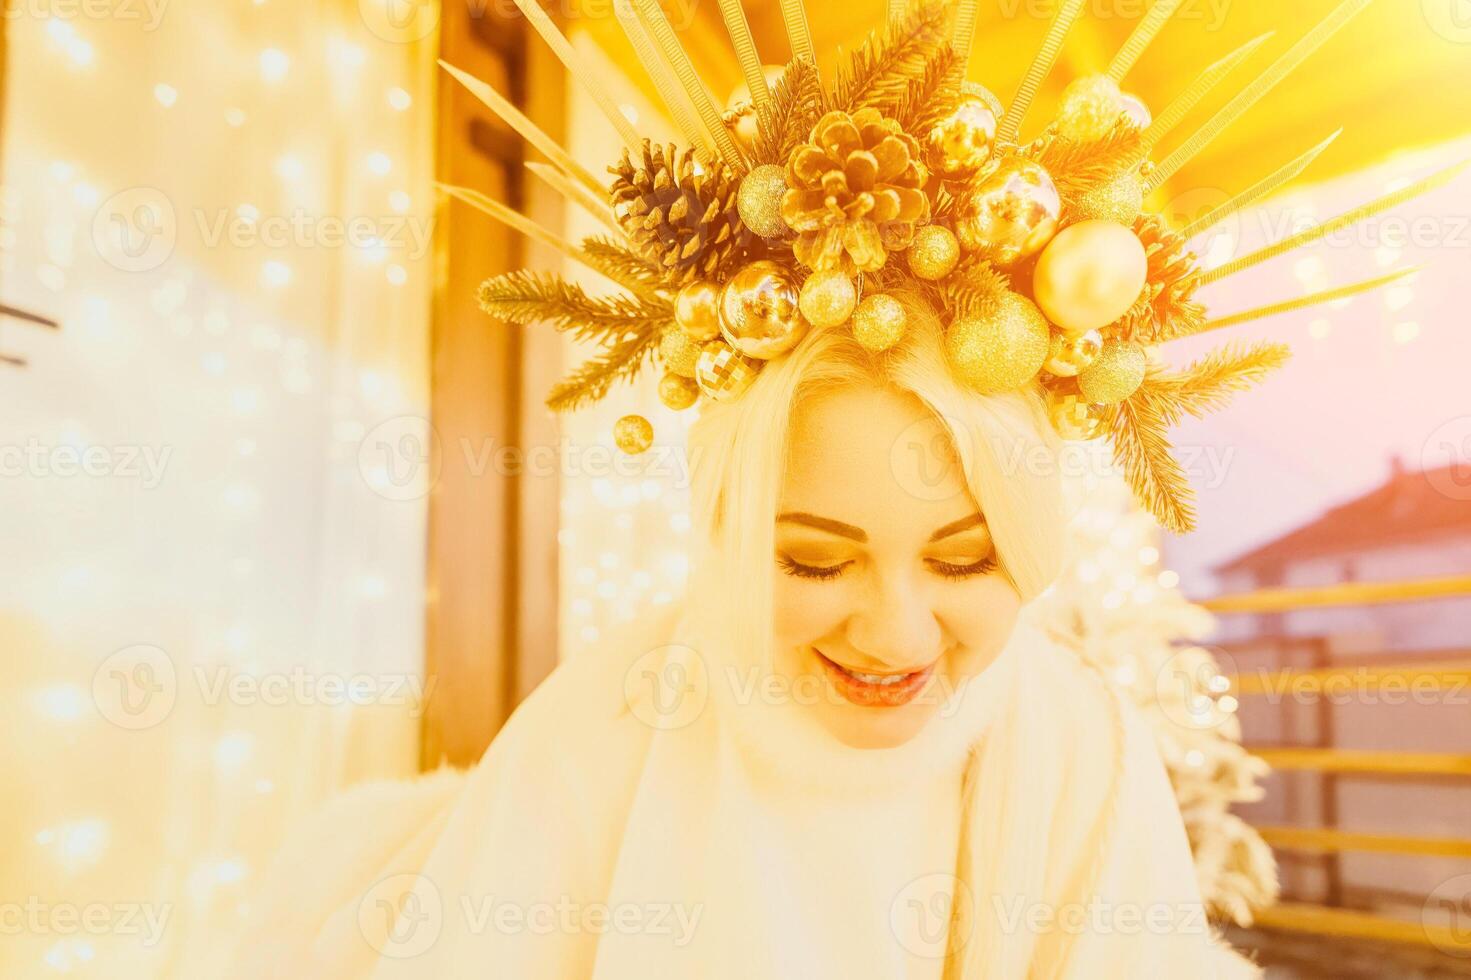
796 568
983 567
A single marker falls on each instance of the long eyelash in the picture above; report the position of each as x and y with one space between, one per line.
983 567
791 567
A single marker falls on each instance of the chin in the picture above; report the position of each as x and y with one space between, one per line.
875 728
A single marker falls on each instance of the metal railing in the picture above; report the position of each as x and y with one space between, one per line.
1331 920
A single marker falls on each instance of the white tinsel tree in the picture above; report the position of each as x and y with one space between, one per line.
1125 615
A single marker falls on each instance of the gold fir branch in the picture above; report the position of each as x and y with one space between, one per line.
1141 448
618 360
527 297
881 72
797 104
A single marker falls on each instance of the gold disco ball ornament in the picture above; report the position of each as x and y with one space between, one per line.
759 311
723 373
1075 418
1010 215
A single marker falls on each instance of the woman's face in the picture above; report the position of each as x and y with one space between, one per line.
888 592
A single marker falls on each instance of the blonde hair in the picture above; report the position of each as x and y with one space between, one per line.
1008 455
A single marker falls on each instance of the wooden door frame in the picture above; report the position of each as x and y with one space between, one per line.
491 600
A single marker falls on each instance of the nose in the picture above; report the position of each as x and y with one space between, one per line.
897 627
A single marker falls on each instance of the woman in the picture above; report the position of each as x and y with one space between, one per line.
849 754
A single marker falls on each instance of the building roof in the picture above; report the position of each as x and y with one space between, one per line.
1409 505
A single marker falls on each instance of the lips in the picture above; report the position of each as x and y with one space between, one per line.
875 690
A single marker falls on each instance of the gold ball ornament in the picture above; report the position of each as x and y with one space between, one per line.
827 298
740 112
1120 200
697 310
1090 109
723 372
633 434
1010 215
759 200
679 351
759 313
1074 417
934 253
1136 111
678 392
1000 350
960 144
1115 375
1090 275
1068 355
879 322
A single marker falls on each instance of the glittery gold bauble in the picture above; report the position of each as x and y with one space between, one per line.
1115 375
759 313
633 434
759 200
1136 111
960 144
1120 199
697 310
1070 354
1090 108
1090 275
934 252
724 373
879 322
679 351
678 392
1075 418
827 298
1001 350
1010 215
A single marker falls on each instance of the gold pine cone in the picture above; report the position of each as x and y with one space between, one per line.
683 217
855 192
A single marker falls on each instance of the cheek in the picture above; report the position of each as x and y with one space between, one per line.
982 618
803 612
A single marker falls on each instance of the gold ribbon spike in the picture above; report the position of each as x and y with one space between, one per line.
1302 302
662 75
1391 200
525 128
577 67
1254 91
513 219
1143 36
1177 110
1011 123
750 60
668 45
1257 191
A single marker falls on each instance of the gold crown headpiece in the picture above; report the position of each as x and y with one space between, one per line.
810 205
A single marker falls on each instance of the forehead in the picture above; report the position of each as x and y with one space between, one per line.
873 457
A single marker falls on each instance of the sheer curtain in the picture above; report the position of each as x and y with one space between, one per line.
212 500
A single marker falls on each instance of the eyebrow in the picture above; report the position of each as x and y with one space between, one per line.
858 534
